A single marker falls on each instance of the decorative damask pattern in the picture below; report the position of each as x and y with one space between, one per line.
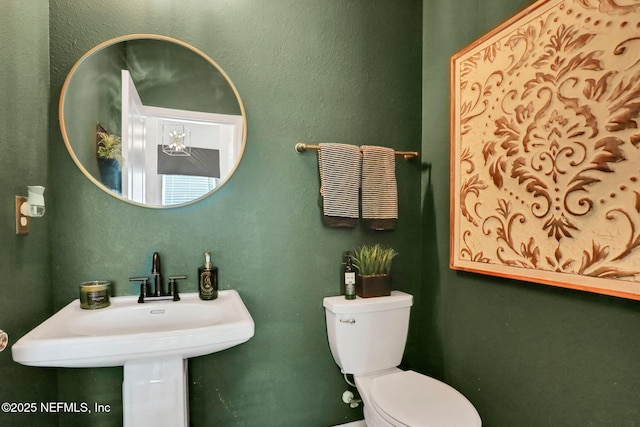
545 154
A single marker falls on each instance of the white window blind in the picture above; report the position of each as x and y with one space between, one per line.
178 189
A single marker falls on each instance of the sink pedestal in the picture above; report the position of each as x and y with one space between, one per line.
155 393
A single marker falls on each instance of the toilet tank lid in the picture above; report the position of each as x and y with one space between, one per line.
339 304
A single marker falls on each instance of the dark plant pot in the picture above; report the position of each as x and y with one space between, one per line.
110 174
373 286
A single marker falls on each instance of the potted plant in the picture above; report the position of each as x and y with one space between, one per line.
109 155
374 264
109 146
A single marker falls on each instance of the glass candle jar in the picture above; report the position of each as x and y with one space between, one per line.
95 294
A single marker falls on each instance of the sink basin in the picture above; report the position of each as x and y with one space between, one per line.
152 341
126 330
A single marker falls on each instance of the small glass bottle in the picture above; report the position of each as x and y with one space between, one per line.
208 279
342 271
349 278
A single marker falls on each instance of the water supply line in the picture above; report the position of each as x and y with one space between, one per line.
348 382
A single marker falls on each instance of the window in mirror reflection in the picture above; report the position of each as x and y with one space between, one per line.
178 189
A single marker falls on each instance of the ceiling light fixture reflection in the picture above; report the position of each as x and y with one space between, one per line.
176 140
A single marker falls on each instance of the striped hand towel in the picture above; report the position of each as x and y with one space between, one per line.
379 190
339 166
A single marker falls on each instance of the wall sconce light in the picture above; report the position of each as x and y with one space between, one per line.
176 140
30 206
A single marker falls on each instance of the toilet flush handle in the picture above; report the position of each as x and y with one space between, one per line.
351 321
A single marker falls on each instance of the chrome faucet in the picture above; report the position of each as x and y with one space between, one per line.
148 294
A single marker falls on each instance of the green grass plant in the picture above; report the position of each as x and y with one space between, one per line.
373 260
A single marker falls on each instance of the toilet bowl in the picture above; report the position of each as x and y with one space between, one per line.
408 399
367 337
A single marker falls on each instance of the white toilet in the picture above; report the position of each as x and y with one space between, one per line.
367 338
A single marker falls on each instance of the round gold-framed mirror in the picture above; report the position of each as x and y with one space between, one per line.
152 120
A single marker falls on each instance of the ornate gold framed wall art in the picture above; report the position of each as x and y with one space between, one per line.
545 148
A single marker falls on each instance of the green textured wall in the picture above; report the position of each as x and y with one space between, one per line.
524 354
307 71
25 292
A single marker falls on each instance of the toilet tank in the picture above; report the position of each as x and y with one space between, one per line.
367 335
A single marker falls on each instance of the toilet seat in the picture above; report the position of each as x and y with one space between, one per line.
410 399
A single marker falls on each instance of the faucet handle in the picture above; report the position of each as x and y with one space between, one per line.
173 286
145 287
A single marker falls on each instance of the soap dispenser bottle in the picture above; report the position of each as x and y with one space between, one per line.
208 279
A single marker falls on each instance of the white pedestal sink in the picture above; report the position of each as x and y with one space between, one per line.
152 341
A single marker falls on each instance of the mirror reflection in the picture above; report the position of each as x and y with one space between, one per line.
152 120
